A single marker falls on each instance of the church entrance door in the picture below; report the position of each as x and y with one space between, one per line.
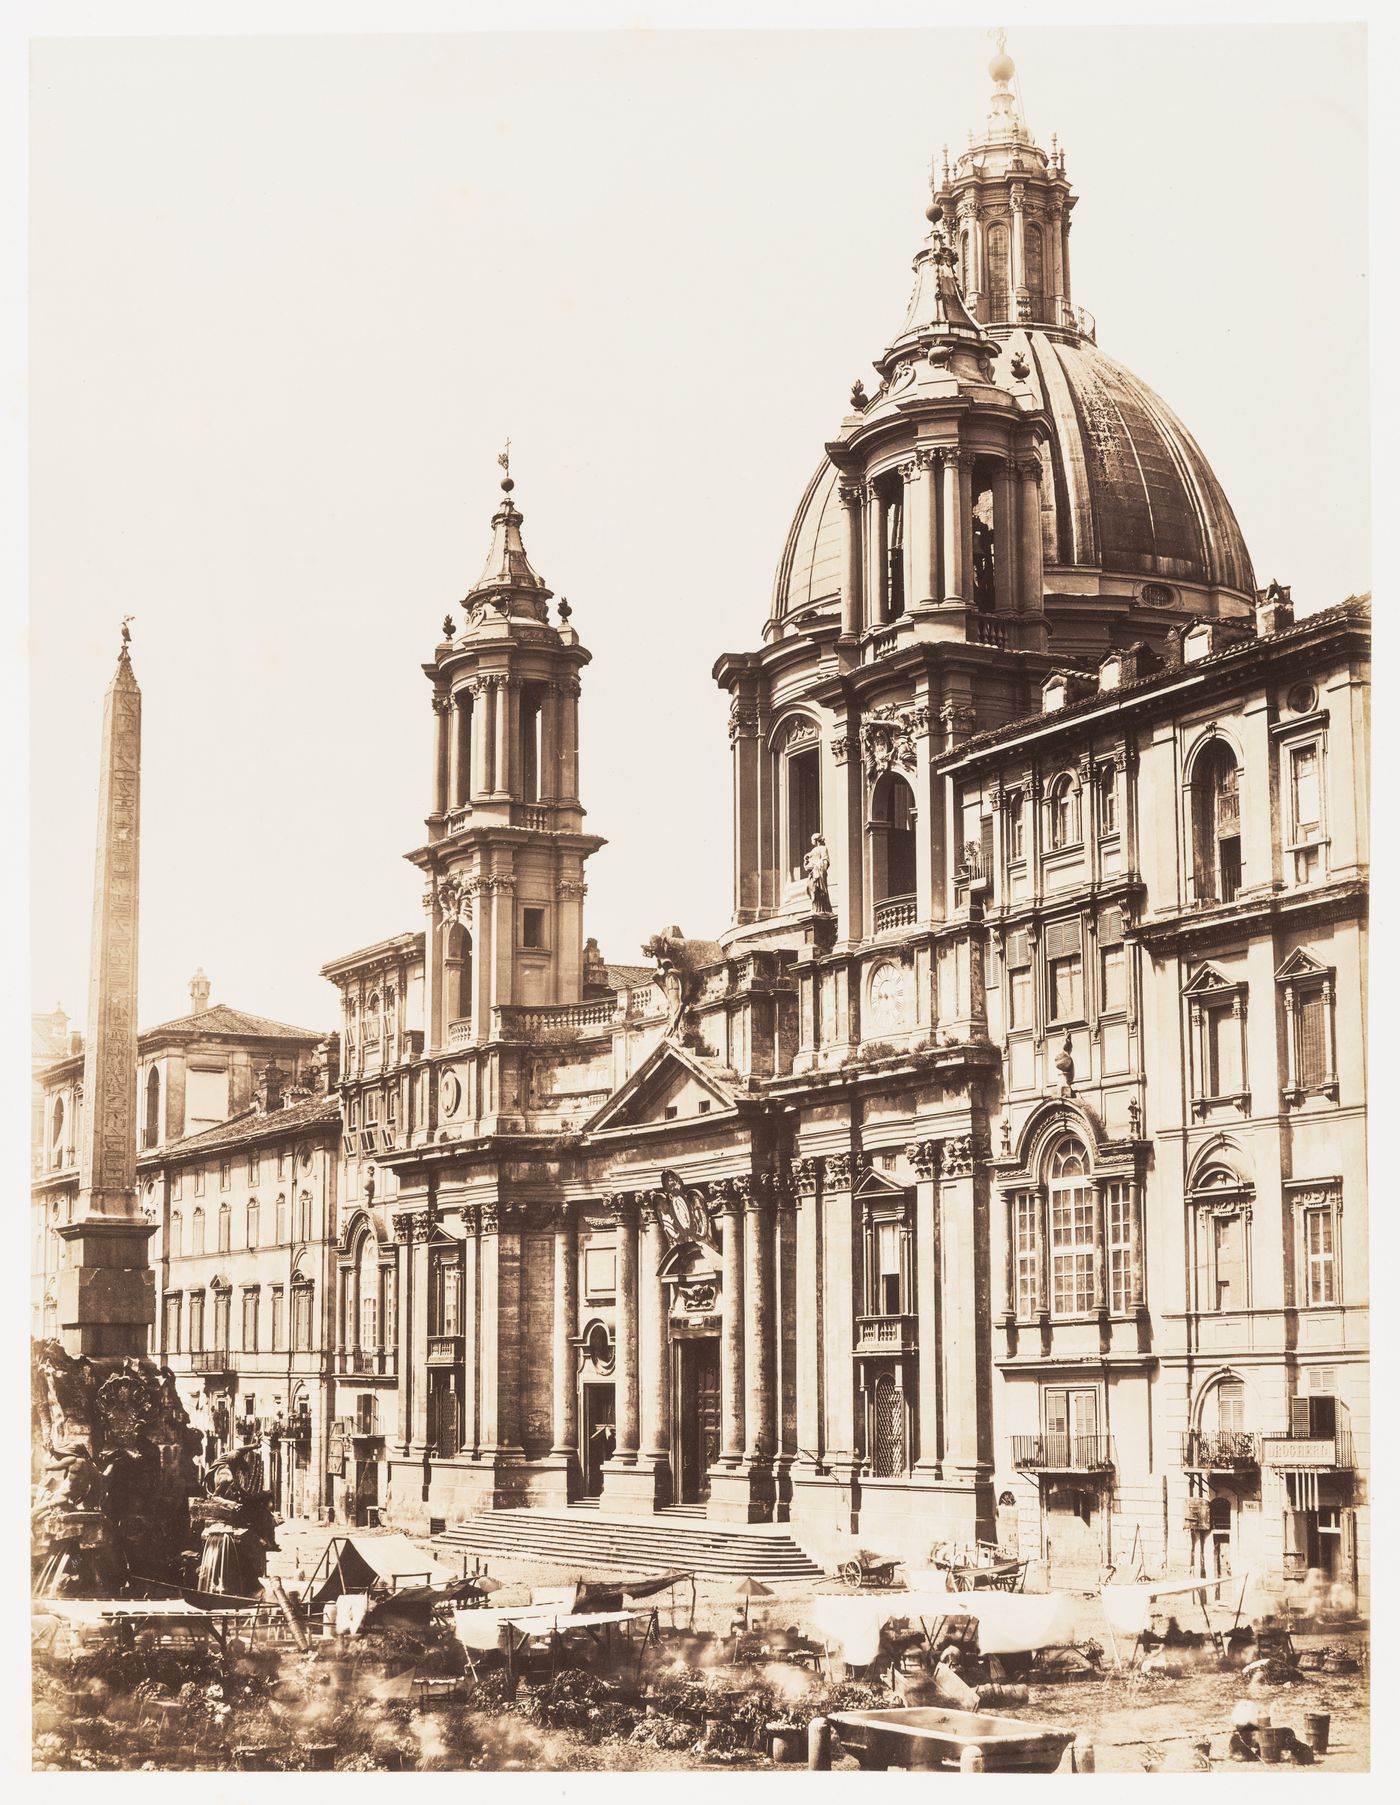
599 1435
697 1416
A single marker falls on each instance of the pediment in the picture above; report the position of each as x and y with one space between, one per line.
1301 964
672 1085
1207 979
875 1184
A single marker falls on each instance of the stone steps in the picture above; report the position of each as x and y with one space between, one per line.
661 1544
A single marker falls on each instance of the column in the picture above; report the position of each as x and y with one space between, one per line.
504 693
1290 1038
1054 274
732 1347
625 1371
441 720
481 738
565 1329
916 551
654 1349
966 459
462 718
414 1371
758 1319
874 558
1018 243
1064 259
568 688
1031 594
498 1338
810 1440
1004 537
469 1304
926 584
549 742
840 1274
746 754
924 1158
852 497
954 572
403 1235
963 1401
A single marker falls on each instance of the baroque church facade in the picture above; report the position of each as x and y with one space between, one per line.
999 1172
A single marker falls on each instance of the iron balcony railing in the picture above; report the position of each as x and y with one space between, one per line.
1219 1450
1062 1453
211 1360
895 912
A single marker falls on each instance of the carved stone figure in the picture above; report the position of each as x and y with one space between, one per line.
236 1525
817 864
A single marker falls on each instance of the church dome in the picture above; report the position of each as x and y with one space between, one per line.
1129 494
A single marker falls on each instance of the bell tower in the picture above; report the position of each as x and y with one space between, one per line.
506 848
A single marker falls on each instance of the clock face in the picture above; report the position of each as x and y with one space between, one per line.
449 1093
887 996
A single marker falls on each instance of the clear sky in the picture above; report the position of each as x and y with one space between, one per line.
288 297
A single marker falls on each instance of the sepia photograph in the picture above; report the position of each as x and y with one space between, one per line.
698 893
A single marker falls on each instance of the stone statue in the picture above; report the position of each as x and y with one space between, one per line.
817 864
236 1524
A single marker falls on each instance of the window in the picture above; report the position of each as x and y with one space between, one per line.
199 1182
1229 1407
1124 1263
1018 967
197 1231
1062 811
252 1222
1026 1241
1217 1030
599 1273
280 1219
301 1316
1106 800
1305 811
1015 827
1222 1204
177 1235
1221 1052
56 1133
998 272
172 1323
304 1216
1309 1029
225 1228
254 1167
531 742
1113 969
532 935
803 772
893 859
1065 970
177 1184
225 1174
369 1322
196 1322
1071 1418
1072 1249
223 1309
151 1132
1215 822
1319 1256
447 1296
889 1296
250 1320
281 1164
274 1325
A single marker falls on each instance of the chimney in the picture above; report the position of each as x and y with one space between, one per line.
1273 610
328 1053
199 992
270 1094
595 970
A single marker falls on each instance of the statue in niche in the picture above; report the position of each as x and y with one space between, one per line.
817 864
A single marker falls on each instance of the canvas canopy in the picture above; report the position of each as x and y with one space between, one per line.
355 1564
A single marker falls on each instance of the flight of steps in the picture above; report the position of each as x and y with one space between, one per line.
665 1543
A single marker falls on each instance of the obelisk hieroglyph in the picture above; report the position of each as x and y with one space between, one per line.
106 1291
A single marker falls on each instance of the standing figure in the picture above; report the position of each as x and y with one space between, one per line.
817 864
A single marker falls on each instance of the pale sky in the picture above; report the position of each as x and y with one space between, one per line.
288 297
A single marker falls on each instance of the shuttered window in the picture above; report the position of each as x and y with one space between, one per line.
1312 1040
1065 970
1026 1232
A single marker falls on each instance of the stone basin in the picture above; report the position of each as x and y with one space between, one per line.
930 1736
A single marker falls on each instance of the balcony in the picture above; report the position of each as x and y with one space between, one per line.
530 815
1062 1453
459 1033
362 1363
212 1363
444 1350
982 631
895 912
1323 1453
1219 1450
885 1334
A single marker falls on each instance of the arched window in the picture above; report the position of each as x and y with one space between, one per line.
197 1234
1072 1230
225 1228
1035 270
457 971
369 1338
280 1221
151 1131
1106 800
1221 1206
998 272
1062 812
802 773
1215 823
302 1298
177 1235
252 1222
223 1304
56 1133
893 859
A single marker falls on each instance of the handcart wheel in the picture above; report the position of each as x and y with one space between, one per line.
850 1573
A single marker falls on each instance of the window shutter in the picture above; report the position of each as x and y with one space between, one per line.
1111 928
1018 949
987 845
1312 1056
1062 939
1300 1417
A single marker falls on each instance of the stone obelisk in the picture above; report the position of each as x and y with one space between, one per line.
106 1291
